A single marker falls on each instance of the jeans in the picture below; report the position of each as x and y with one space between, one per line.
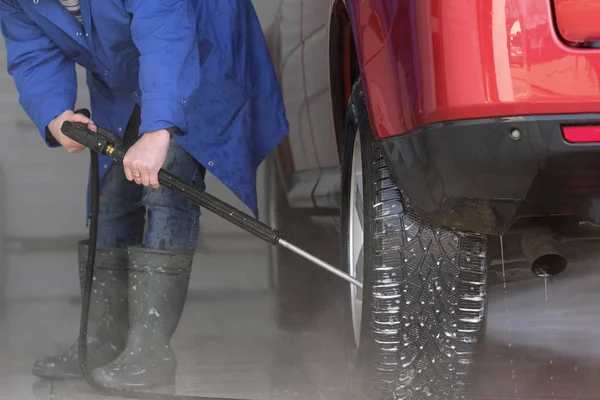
160 219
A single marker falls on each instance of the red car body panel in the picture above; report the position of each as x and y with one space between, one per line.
430 61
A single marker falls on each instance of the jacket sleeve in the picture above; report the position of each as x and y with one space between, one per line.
44 77
164 32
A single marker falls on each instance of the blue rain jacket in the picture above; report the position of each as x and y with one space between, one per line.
200 65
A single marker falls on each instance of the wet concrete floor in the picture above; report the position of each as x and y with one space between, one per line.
542 343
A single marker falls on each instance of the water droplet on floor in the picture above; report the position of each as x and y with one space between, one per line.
154 312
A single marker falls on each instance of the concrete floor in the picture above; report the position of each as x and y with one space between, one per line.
227 346
542 343
542 340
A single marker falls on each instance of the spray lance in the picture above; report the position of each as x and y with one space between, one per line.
108 143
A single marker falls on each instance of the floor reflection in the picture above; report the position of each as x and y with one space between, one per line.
542 339
229 346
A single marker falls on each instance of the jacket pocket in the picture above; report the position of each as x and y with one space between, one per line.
126 45
97 85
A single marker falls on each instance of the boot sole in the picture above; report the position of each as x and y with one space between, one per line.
51 377
165 383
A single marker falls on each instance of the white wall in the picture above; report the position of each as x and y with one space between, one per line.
43 187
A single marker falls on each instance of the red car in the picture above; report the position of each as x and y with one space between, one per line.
431 129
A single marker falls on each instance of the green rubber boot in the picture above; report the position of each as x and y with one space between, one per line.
108 322
158 285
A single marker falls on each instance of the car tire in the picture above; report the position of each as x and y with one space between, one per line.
423 307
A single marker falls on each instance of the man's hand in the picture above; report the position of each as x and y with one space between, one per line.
146 157
69 144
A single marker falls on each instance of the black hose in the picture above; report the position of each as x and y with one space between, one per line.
85 305
89 273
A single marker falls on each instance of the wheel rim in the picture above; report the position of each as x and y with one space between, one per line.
356 237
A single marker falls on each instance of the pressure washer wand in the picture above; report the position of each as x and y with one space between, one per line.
104 142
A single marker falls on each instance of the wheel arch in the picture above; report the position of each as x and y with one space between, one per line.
344 67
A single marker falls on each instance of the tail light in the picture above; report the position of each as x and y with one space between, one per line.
577 21
581 134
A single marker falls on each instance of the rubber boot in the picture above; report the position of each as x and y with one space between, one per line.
108 319
158 284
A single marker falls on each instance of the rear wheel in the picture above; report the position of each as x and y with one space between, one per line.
417 325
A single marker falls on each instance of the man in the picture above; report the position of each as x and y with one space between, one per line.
190 86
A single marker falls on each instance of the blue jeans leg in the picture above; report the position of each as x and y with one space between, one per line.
161 219
121 216
173 220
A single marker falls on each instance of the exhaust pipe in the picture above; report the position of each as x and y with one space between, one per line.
540 247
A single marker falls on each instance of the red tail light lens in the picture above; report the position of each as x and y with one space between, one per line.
581 134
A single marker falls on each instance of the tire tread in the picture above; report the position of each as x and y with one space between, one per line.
429 294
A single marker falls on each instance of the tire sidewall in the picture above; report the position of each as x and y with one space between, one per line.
357 123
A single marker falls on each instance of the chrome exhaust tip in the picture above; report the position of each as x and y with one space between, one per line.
540 247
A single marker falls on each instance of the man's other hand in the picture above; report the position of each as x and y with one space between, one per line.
146 157
55 130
